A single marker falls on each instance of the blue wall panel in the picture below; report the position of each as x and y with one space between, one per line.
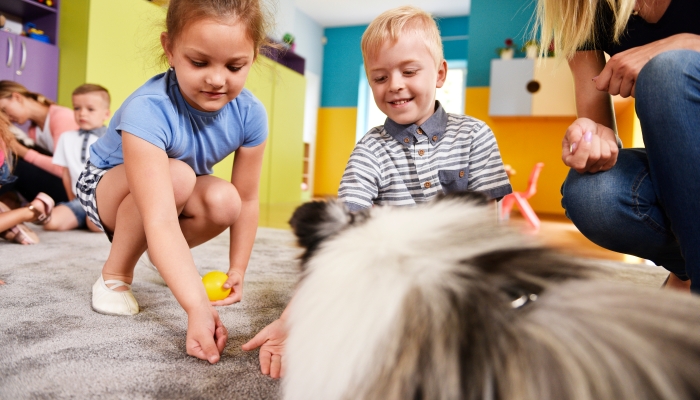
491 23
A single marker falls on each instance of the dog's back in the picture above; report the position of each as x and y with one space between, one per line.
440 302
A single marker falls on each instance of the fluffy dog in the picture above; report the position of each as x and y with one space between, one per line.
440 302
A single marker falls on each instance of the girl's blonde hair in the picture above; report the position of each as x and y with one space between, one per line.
392 23
251 13
7 88
571 23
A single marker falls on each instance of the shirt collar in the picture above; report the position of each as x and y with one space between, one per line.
434 126
99 132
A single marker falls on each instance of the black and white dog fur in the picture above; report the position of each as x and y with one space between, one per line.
440 302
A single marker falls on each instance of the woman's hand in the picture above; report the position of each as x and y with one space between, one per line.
271 342
206 335
620 73
589 147
235 282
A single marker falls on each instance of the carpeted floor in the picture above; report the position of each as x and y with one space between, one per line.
52 345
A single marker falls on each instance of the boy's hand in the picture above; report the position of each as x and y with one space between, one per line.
271 342
589 147
235 282
206 335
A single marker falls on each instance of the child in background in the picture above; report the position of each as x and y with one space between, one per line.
421 150
35 168
91 107
148 184
12 226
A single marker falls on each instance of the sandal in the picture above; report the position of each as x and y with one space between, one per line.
21 235
42 218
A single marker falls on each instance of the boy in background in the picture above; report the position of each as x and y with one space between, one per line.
420 150
91 106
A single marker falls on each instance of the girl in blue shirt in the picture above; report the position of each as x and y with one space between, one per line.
148 182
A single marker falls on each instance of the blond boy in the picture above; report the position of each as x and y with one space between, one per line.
421 150
91 107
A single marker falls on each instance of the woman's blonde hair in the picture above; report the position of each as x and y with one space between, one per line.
251 13
7 88
392 23
571 23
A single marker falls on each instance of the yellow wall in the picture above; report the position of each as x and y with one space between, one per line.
525 141
111 43
335 139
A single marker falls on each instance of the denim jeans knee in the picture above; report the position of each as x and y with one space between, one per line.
618 210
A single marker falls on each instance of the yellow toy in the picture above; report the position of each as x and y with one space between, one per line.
213 283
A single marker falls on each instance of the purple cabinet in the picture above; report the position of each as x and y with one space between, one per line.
32 63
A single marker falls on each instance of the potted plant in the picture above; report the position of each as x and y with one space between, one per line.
288 39
531 48
507 52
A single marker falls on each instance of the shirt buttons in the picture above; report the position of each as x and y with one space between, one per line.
426 185
434 138
461 174
420 131
406 140
421 152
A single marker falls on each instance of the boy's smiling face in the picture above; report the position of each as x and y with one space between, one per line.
403 78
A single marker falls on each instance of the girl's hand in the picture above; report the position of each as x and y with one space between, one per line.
271 342
589 147
620 73
235 282
206 335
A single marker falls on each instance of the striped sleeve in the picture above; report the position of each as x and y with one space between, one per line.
361 179
486 172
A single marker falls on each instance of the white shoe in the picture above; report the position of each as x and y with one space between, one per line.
107 301
145 260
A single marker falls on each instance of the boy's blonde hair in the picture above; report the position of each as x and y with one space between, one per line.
392 23
572 23
93 88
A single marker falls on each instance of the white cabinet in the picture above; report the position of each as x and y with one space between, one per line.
527 87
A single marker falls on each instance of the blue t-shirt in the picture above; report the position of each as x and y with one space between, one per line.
157 113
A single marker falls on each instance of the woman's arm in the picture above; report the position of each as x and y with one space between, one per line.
590 143
40 160
245 177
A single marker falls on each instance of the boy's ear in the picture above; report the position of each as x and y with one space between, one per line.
442 74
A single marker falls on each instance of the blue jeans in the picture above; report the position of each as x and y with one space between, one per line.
648 204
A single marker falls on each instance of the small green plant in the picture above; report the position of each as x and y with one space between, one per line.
510 45
288 38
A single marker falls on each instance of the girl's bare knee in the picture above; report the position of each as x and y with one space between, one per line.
183 179
222 205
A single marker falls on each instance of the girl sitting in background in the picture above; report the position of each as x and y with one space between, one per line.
12 226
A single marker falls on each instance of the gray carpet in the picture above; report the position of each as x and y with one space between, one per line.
52 345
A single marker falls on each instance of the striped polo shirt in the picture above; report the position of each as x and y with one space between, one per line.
402 165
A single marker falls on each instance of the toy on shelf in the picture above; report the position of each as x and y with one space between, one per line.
36 34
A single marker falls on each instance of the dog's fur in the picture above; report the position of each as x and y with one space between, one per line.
440 302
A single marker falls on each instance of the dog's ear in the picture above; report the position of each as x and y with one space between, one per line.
316 221
468 197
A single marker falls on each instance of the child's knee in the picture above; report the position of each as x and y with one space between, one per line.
222 204
183 180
